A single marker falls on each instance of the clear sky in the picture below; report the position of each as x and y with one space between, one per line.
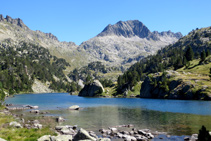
80 20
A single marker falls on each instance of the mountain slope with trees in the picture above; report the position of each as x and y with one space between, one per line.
196 45
21 64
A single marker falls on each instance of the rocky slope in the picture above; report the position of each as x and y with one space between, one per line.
15 31
126 42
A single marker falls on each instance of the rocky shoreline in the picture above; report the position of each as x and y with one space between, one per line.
73 133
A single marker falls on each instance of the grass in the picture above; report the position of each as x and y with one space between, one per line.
20 134
197 74
135 90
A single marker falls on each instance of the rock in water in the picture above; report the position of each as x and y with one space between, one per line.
74 107
92 89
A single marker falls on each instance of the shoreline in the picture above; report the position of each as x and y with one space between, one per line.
119 132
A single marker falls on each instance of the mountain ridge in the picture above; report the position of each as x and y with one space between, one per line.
134 28
132 41
123 41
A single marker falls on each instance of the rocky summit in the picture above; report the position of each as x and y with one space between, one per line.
126 42
121 44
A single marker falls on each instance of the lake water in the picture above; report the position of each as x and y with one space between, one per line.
177 117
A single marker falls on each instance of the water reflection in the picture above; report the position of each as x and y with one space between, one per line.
94 118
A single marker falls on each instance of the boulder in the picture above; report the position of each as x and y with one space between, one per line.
15 124
74 107
2 139
35 121
61 138
92 89
114 130
67 131
37 126
45 138
83 135
60 119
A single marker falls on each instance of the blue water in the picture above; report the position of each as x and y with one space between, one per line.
177 117
54 101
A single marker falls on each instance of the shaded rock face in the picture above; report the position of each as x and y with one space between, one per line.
177 89
92 89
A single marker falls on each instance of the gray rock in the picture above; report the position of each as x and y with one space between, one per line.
149 135
194 137
67 131
61 138
114 130
2 139
60 119
92 89
104 139
83 135
35 122
74 107
141 132
15 124
45 138
141 138
55 138
37 126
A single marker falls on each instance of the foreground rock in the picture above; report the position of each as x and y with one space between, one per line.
92 89
15 124
2 139
66 133
56 138
83 135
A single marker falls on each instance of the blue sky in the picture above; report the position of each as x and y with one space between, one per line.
80 20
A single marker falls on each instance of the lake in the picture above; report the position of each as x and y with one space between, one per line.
177 117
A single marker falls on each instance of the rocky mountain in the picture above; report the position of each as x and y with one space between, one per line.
15 31
126 42
120 44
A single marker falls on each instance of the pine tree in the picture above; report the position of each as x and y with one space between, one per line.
210 73
189 53
207 53
203 55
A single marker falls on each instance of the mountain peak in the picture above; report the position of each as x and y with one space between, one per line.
127 29
133 28
10 20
